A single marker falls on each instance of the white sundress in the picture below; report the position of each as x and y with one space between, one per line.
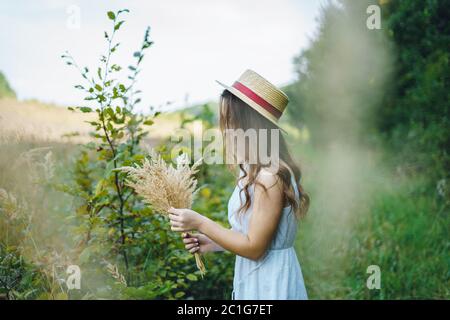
277 275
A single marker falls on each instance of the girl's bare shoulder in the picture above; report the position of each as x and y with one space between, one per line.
268 177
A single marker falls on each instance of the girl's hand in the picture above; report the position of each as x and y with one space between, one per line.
184 220
198 243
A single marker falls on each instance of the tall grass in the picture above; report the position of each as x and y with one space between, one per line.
32 221
407 235
363 213
383 218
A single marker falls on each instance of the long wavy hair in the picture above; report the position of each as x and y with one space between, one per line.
236 114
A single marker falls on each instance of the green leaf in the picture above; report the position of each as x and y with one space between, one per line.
116 67
148 122
113 49
117 26
192 277
98 87
100 186
138 157
115 93
110 112
85 109
111 15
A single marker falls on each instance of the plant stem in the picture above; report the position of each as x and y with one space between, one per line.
113 150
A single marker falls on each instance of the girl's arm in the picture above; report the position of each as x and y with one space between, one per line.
266 212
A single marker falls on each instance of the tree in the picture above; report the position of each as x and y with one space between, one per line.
415 114
5 89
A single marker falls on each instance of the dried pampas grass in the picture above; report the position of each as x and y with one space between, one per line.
113 270
163 185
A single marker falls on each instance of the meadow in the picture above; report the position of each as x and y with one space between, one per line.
363 213
372 145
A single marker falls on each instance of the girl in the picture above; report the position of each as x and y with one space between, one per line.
266 204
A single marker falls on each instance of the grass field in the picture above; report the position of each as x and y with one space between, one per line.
363 212
34 120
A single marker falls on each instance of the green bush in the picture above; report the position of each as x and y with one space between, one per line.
415 114
70 206
112 224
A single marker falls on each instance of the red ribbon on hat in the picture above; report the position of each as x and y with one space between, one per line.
249 93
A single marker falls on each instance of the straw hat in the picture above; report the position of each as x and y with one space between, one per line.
259 94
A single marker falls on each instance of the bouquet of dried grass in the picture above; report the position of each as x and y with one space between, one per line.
163 185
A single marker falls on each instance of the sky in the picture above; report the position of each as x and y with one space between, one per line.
196 42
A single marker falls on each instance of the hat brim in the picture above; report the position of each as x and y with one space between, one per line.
252 104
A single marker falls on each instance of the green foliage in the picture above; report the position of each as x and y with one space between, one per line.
389 85
86 211
31 227
415 115
204 113
399 228
385 92
113 224
5 90
78 209
217 184
18 279
404 235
